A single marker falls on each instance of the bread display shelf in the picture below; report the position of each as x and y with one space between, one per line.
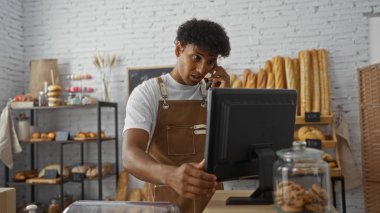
52 181
331 139
68 141
325 119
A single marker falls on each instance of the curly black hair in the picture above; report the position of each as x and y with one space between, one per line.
206 35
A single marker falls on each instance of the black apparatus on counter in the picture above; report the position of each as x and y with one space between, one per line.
244 129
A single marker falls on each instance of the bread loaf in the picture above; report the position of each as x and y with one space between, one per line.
252 81
232 78
289 71
57 167
261 79
296 68
316 106
325 82
122 186
236 84
279 72
309 132
270 80
246 74
305 82
268 66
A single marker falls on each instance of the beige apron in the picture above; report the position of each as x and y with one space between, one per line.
179 137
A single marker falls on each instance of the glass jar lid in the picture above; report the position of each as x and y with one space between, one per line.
299 152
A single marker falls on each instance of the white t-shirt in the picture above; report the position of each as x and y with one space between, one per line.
142 105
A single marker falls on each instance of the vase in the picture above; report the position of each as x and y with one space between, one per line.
105 87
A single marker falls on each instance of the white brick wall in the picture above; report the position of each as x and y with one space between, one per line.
142 32
11 50
11 64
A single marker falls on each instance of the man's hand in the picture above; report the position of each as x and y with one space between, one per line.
189 180
220 78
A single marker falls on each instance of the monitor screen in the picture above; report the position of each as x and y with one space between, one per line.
241 123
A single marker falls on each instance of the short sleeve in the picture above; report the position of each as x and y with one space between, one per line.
139 110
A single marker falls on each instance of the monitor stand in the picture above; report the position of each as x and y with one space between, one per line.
263 195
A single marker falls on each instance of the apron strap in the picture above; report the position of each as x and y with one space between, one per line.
164 93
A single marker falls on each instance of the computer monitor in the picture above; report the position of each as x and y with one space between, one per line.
244 129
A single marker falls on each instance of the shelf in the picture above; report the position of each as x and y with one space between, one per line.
25 183
70 141
94 179
325 119
100 103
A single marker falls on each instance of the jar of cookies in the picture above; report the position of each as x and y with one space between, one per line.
301 180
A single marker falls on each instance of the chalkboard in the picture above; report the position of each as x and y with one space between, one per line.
137 75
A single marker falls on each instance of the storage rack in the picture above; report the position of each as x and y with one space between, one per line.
33 146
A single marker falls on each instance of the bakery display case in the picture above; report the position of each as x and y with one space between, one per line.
121 207
51 174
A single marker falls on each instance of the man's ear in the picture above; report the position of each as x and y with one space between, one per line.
178 48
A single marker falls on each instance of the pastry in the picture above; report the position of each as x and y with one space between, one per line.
333 164
327 157
51 135
35 135
54 88
54 94
44 135
309 132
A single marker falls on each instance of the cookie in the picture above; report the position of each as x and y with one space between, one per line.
289 195
320 192
291 209
315 208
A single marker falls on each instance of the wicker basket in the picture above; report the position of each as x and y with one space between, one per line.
369 94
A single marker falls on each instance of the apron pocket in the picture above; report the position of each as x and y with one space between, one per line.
180 140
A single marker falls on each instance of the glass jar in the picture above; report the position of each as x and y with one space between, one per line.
301 180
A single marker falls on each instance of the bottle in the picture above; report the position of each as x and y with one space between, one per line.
42 100
301 180
54 207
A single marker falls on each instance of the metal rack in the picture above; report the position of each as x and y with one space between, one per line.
33 146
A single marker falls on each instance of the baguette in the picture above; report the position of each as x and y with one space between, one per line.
289 71
270 80
237 84
316 107
246 73
325 82
305 73
296 68
252 81
268 66
279 72
261 78
232 78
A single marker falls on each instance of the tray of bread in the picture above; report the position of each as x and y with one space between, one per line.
83 136
50 174
42 137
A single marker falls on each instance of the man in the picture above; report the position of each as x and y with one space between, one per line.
164 132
